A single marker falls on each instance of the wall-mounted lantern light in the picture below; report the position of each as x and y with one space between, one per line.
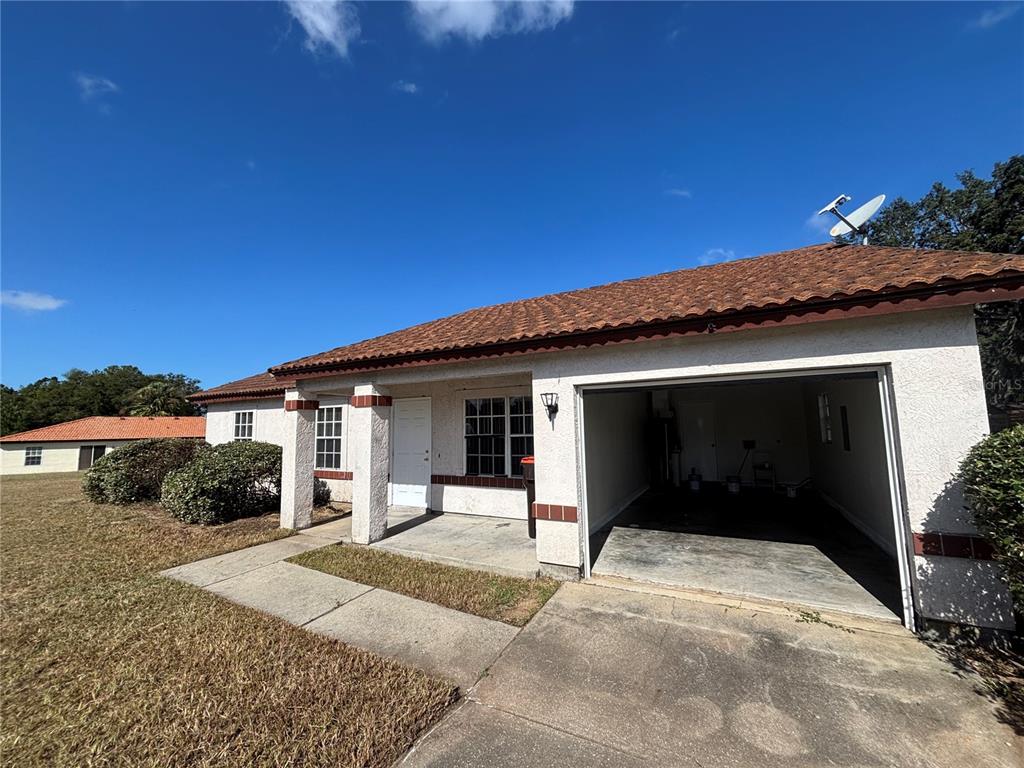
550 400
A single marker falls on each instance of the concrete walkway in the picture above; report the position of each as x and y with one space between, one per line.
438 640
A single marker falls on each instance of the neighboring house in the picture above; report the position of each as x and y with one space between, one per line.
75 445
850 369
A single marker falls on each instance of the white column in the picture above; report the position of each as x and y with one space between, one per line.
369 445
297 460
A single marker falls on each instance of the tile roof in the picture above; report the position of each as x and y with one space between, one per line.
258 386
114 428
815 275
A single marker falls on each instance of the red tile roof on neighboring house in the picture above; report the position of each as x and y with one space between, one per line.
813 282
815 275
252 387
114 428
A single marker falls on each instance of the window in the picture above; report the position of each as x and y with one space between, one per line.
499 433
825 419
243 425
88 454
328 437
845 421
33 457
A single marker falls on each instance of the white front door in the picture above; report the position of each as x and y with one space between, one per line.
410 453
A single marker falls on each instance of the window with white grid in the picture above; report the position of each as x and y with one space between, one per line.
33 457
498 434
328 437
243 425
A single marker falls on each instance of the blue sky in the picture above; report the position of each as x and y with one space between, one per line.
215 188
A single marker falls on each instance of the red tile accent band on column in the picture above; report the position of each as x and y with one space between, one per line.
331 474
301 405
475 481
557 512
367 401
952 545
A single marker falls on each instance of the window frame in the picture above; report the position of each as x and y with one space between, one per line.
824 418
250 425
339 434
33 452
507 397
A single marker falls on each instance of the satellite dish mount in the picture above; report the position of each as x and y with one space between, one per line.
855 221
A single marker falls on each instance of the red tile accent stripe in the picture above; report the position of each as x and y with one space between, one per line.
557 512
367 401
473 481
301 405
952 545
331 474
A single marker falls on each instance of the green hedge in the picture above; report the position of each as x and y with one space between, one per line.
993 481
229 481
136 471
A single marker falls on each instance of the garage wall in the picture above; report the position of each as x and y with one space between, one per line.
770 413
856 482
617 461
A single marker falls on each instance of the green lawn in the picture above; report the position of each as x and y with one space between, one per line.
104 663
504 598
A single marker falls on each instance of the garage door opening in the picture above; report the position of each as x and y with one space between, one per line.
775 488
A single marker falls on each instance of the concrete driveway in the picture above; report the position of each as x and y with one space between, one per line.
605 677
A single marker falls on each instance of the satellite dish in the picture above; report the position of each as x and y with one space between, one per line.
856 220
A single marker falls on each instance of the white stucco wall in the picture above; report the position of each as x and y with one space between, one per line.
268 420
57 457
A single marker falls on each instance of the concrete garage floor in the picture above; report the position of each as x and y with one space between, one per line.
757 545
616 679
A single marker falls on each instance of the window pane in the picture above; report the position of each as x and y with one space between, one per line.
486 465
470 426
498 406
498 425
472 407
499 465
472 465
515 405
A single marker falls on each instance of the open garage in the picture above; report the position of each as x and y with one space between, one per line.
775 488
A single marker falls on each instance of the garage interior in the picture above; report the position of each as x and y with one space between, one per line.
773 488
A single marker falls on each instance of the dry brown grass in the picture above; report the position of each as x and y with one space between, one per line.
104 663
504 598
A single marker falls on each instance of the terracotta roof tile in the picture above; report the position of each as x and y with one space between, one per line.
805 275
114 428
258 386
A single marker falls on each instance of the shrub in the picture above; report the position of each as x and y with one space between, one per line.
321 493
993 481
136 471
229 481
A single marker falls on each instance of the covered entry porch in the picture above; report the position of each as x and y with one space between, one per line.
431 464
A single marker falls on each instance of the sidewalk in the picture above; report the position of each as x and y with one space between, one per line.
438 640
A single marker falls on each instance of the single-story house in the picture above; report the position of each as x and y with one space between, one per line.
75 445
794 419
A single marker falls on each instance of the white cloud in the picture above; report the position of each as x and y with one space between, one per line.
405 87
29 301
331 24
994 16
676 192
93 86
716 255
820 223
475 20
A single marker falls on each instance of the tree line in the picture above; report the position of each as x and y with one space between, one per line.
979 215
118 390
